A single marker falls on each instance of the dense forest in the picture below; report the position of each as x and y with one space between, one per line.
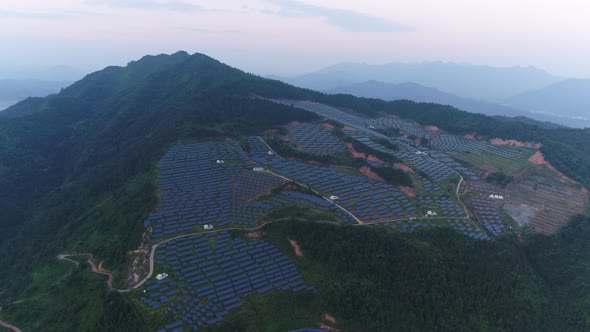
78 170
439 280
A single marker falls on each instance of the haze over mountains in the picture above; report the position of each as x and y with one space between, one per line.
570 98
419 93
13 91
18 83
79 172
510 91
470 81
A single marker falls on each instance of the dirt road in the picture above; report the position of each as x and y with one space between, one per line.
9 326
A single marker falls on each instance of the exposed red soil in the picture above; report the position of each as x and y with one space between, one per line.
407 191
432 128
296 247
328 126
329 318
513 142
539 159
101 270
469 136
254 235
348 128
357 154
366 170
404 167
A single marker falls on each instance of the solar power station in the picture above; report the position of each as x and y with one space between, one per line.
315 139
205 188
209 273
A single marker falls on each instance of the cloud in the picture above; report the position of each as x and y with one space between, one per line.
171 5
346 19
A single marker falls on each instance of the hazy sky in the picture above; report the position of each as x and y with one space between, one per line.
296 36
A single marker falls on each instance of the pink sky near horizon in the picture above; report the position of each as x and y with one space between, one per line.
290 37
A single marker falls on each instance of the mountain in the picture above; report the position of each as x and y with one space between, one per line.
470 81
419 93
12 91
567 98
79 172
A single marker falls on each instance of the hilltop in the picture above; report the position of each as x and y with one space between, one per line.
381 198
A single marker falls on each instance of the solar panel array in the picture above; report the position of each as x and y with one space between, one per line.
286 198
477 147
209 273
482 187
367 199
460 225
347 119
488 214
426 164
444 206
207 183
315 139
406 126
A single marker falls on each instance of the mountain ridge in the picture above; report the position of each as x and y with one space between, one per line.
78 173
471 81
569 97
418 93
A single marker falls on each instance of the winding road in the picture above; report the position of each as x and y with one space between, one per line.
154 247
9 326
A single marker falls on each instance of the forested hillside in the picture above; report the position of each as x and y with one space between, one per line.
80 165
78 174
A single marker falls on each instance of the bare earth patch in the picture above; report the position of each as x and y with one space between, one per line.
404 167
469 136
513 142
254 235
539 159
140 259
357 154
296 247
295 124
522 213
328 126
366 170
329 318
407 191
432 128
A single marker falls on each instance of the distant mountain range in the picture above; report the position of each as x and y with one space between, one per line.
510 91
469 81
419 93
569 98
13 91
